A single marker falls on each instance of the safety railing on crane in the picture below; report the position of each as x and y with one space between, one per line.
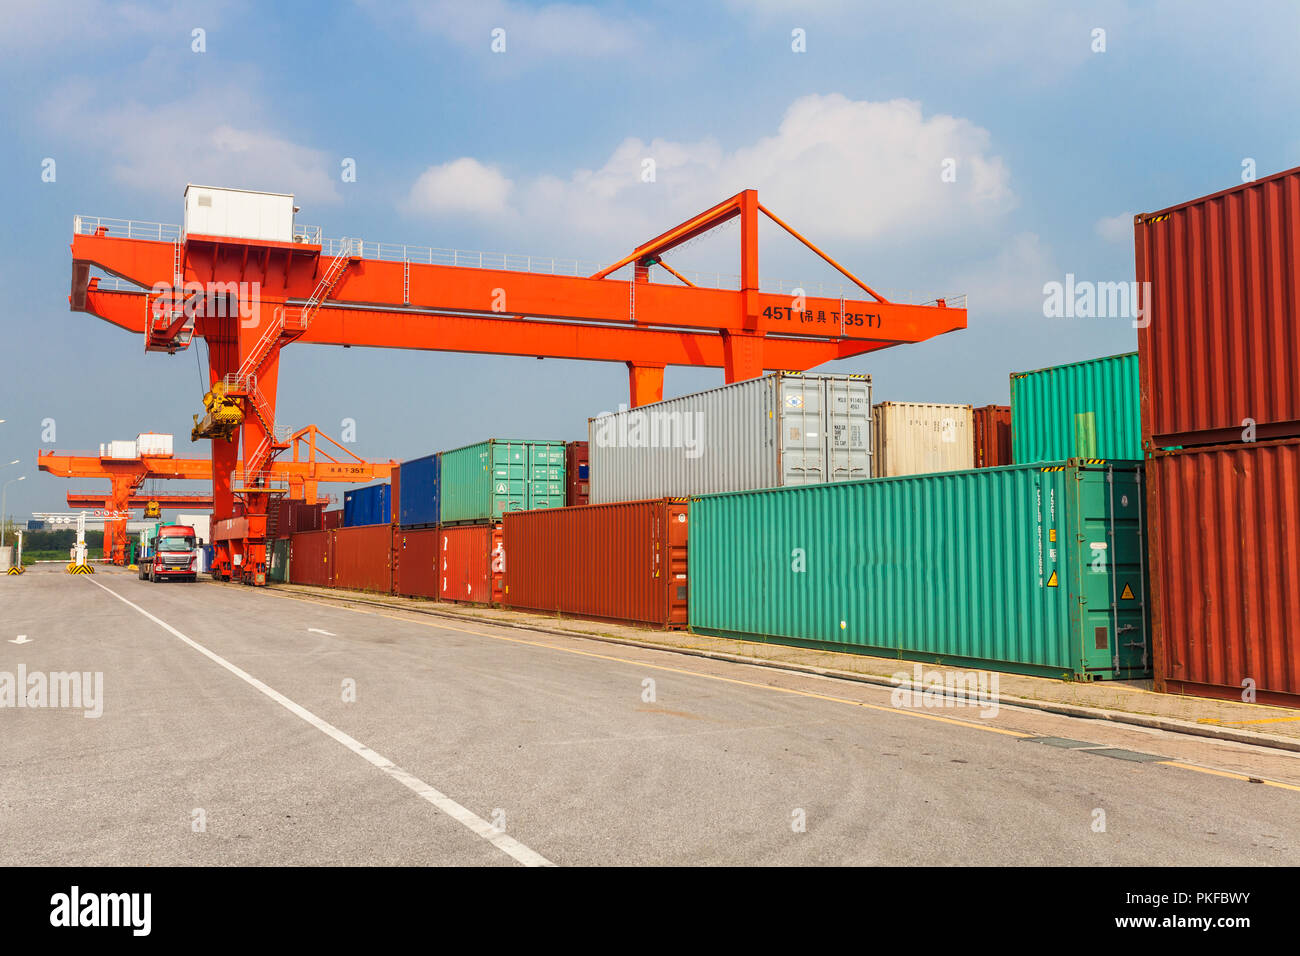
513 262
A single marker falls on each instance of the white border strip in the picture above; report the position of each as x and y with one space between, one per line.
506 844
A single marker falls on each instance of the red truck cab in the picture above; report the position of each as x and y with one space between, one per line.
174 555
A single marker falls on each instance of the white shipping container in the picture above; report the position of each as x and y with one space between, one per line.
916 438
202 525
785 428
120 449
238 213
154 443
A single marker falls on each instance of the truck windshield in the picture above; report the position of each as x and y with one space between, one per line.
175 544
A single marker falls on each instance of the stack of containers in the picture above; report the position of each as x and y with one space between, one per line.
1219 348
478 485
916 438
416 541
362 549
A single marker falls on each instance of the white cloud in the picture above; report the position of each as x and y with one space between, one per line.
1010 283
1116 228
213 137
838 168
461 186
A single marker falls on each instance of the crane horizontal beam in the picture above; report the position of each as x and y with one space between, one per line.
438 331
92 499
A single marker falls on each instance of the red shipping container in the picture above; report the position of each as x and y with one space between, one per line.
577 484
305 517
329 520
310 558
620 562
993 436
1225 570
416 561
363 558
1222 339
471 564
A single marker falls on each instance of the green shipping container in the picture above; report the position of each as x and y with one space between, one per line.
1085 409
279 569
484 481
1029 569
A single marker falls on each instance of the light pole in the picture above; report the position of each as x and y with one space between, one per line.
4 490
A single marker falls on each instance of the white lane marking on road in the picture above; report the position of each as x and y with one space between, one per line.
317 630
506 844
21 639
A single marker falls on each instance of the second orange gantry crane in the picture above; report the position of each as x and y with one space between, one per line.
249 289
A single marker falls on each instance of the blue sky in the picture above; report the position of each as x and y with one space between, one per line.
537 150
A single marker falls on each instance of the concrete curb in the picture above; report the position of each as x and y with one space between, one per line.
1149 721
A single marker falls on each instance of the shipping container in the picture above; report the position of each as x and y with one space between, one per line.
992 427
916 438
369 505
309 558
1034 569
471 563
418 507
481 482
619 562
154 444
277 570
417 562
118 449
785 428
1219 334
577 474
1225 571
1087 409
363 558
202 525
238 213
329 520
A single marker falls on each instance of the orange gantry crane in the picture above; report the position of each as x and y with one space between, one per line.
311 463
249 291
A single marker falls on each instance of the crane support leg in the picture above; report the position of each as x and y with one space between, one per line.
645 384
743 356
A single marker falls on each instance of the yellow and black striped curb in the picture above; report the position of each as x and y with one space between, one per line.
16 570
80 569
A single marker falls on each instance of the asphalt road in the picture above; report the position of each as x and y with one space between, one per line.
477 744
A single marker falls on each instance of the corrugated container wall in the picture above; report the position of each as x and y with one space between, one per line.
369 505
1031 569
363 558
155 444
419 492
471 563
329 520
577 473
621 562
992 426
1087 409
785 428
484 481
1225 570
1221 339
309 558
913 438
417 559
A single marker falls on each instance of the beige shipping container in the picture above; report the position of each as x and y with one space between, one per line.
915 438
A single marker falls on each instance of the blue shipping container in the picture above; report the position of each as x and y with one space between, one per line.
418 482
369 505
